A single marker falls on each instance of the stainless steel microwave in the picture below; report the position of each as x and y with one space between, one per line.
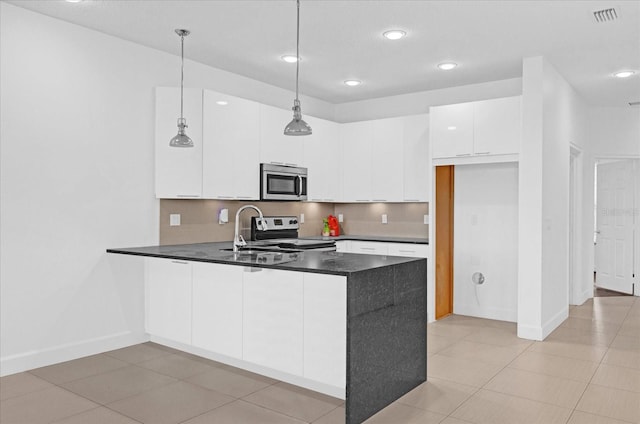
278 182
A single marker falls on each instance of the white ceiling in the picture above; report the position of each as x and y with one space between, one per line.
342 39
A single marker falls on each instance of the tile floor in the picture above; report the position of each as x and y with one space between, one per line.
587 371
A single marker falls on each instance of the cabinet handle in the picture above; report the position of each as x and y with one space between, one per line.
411 200
188 195
406 251
224 197
483 153
362 200
245 197
180 262
328 200
464 154
379 200
367 248
277 163
290 164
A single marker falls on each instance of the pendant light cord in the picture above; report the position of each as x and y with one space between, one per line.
297 47
182 77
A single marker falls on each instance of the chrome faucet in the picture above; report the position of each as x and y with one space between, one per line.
238 240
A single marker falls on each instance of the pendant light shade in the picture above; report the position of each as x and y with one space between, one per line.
297 126
181 139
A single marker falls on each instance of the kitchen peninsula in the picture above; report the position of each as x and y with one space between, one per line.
348 325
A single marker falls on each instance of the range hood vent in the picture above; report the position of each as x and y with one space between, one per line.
605 15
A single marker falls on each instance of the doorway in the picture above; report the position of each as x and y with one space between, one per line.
616 224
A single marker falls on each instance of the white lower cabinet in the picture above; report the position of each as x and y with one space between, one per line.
408 249
168 288
368 247
325 328
343 246
273 319
217 308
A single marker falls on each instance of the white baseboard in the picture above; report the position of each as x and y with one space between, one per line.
541 332
500 314
584 296
55 354
307 383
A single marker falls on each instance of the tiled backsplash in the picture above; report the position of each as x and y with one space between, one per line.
199 218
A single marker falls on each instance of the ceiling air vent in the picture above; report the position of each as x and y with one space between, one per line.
634 103
605 15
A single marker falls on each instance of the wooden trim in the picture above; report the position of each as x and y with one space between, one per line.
444 240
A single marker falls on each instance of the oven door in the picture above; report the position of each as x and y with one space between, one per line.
283 185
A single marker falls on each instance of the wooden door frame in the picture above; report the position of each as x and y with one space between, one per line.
444 202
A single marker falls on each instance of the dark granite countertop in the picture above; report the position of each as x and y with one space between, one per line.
308 261
385 239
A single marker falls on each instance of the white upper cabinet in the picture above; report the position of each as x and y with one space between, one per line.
323 160
357 141
452 130
387 160
231 155
178 170
275 147
476 129
417 178
497 126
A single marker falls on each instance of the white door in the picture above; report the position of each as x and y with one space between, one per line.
615 226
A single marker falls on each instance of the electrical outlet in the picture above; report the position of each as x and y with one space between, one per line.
302 218
384 218
340 218
426 219
174 219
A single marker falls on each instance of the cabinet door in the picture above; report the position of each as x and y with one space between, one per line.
273 319
343 246
169 299
451 129
387 160
325 328
217 308
357 141
178 170
368 247
323 160
408 249
417 178
231 156
275 147
497 126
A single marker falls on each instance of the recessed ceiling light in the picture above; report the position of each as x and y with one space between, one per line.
394 34
447 66
289 58
623 74
452 128
352 83
74 1
222 102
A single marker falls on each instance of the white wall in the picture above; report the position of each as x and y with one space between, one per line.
554 116
416 103
486 240
77 177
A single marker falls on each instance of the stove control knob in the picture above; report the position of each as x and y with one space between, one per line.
293 221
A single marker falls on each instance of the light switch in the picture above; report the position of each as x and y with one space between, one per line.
223 217
426 219
340 218
174 219
384 218
302 218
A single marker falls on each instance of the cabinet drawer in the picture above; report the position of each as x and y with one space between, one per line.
408 249
369 248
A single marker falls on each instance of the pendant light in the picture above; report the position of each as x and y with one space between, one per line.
297 126
181 139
